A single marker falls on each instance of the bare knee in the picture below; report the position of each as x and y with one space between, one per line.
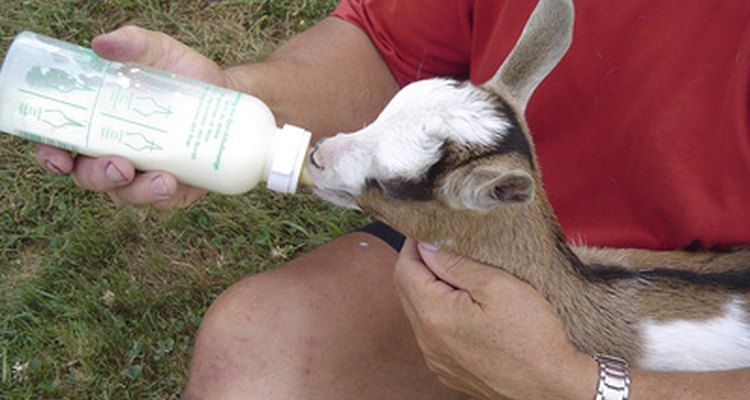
239 340
278 329
326 326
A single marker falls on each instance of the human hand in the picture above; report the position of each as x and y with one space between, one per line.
486 333
115 175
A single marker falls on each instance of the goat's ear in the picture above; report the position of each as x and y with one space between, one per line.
485 188
543 42
512 187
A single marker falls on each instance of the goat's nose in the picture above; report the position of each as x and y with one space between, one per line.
313 161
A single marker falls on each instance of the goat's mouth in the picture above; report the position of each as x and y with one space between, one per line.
336 196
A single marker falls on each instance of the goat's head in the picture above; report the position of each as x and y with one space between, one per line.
443 146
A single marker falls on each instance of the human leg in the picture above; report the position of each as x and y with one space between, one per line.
327 325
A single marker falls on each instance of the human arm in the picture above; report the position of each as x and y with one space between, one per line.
493 336
327 79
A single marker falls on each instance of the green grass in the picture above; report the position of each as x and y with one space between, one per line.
103 302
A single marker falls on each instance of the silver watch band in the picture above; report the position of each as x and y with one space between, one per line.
614 378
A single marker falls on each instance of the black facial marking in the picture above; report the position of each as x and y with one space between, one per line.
401 189
420 188
514 141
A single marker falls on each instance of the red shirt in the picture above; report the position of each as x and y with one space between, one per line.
641 131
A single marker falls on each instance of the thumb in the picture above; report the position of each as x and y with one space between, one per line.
132 43
458 271
157 50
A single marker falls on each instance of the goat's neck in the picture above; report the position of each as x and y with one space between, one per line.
524 240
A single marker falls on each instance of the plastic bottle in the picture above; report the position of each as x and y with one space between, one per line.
208 136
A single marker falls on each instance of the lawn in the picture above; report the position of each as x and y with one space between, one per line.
103 302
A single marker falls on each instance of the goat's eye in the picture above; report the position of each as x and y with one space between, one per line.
402 189
372 183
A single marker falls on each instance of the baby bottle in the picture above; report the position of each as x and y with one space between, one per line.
64 95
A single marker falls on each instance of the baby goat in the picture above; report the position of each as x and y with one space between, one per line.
453 164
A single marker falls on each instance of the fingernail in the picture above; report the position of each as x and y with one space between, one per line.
158 187
113 174
432 247
111 34
52 167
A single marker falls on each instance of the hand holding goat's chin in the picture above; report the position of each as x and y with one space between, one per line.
485 332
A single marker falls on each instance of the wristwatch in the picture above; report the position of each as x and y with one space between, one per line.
614 378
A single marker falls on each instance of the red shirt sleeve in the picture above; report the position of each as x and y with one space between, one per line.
418 39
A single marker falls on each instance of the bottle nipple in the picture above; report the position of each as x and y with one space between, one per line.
304 177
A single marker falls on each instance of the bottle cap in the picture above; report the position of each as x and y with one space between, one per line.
289 154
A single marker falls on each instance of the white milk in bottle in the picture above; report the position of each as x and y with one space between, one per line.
65 95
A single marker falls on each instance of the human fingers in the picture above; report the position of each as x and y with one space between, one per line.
477 279
160 51
436 310
158 189
54 159
103 173
414 279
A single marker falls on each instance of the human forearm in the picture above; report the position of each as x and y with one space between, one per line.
328 79
650 385
576 383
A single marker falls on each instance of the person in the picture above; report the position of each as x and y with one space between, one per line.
642 136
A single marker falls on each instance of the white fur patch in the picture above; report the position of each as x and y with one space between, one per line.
446 109
719 343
